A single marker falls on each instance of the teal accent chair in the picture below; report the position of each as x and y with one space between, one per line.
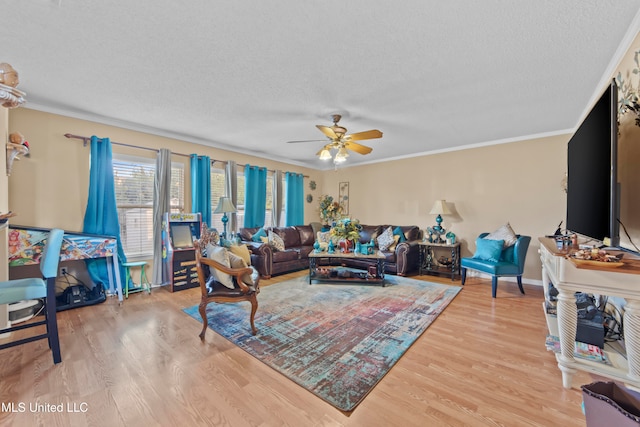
44 288
511 263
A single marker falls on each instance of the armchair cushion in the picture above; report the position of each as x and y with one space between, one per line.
488 250
504 233
242 251
220 255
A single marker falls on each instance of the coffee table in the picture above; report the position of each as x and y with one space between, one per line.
357 276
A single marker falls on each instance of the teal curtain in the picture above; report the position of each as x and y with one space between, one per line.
101 215
295 199
201 187
255 196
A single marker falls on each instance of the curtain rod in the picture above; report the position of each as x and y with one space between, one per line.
86 139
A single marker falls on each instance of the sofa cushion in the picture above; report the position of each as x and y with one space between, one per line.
289 235
247 233
504 233
369 232
411 232
286 255
307 237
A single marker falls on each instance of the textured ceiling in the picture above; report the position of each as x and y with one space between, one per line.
248 76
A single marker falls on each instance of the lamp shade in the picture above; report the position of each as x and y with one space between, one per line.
440 208
225 205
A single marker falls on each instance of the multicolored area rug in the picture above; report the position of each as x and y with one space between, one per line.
335 340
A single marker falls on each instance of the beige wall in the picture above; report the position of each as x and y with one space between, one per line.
629 157
49 189
517 182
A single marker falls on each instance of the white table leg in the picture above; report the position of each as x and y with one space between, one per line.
632 337
567 321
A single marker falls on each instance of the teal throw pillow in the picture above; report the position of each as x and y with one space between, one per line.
260 233
398 232
488 250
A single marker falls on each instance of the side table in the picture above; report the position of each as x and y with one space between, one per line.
431 263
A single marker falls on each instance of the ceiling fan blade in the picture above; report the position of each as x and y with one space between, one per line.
307 140
358 148
368 134
327 131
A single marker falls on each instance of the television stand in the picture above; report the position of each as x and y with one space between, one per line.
568 278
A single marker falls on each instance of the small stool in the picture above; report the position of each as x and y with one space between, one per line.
144 282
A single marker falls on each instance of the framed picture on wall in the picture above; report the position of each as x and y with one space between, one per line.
343 197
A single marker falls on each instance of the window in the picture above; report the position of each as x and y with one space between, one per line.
134 182
217 191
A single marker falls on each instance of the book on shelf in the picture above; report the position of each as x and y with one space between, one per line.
581 350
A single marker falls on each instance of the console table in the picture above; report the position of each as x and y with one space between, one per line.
430 264
568 278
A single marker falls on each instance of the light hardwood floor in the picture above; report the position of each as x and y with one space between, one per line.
482 362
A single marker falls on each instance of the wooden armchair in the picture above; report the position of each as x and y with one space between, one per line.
216 292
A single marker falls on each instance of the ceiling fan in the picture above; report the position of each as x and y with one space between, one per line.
342 142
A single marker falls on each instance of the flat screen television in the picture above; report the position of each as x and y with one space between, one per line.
592 187
181 236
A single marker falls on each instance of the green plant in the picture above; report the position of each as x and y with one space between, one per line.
347 228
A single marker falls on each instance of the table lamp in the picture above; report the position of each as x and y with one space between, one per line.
439 208
225 205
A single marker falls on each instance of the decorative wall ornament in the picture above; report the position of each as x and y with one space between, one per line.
628 94
343 197
312 185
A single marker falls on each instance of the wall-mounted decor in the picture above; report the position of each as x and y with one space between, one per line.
343 197
312 185
309 198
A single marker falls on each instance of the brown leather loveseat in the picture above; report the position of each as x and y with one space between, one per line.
298 242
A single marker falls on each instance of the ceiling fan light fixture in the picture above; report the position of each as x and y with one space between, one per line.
342 152
339 158
325 154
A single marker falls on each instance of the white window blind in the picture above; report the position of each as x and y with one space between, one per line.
134 182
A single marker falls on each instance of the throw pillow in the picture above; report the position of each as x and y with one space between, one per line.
220 255
398 232
396 240
242 251
260 233
505 233
276 241
236 261
324 237
488 249
385 239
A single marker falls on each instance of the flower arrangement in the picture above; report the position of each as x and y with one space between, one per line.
330 210
347 228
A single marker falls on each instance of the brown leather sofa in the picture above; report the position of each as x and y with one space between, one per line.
299 240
